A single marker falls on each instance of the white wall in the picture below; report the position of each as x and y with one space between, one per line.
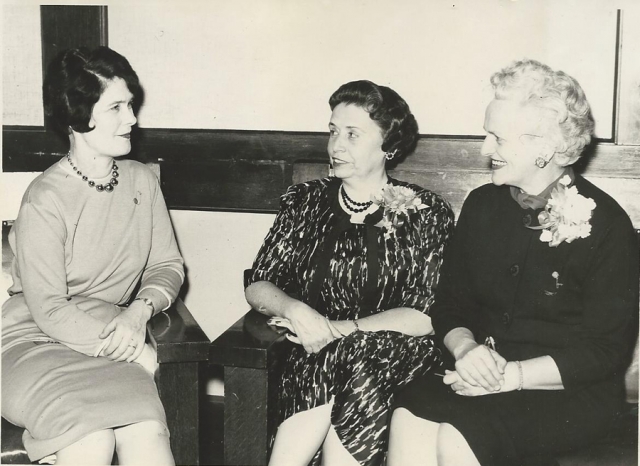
272 64
217 247
21 65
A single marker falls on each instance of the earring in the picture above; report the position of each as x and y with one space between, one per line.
541 162
331 172
390 155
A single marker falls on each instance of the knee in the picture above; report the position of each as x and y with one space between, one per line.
94 448
402 420
145 431
451 444
449 434
103 440
406 428
103 437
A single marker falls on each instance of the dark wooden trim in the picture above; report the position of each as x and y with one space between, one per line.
103 19
615 123
249 170
70 26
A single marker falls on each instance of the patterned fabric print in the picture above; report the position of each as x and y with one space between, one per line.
361 371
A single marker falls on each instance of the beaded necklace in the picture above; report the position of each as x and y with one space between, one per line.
113 182
353 206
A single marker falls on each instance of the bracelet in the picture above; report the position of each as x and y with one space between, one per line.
520 375
355 322
148 303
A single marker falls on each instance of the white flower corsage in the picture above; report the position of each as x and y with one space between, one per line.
397 203
566 215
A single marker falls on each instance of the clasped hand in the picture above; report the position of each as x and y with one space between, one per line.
312 330
479 371
127 333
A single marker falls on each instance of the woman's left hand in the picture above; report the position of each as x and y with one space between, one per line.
128 331
458 385
461 387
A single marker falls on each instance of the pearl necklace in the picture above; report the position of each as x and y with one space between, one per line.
113 182
351 205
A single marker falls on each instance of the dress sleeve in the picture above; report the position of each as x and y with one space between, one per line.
610 303
274 260
73 321
164 271
432 232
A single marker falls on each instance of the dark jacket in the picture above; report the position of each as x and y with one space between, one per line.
498 280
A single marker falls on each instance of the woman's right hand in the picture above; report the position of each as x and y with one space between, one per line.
479 365
312 329
148 359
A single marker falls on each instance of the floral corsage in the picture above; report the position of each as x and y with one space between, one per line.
397 203
566 215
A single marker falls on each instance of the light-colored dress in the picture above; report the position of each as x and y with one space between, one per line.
79 256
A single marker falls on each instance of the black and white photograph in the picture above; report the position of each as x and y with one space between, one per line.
320 232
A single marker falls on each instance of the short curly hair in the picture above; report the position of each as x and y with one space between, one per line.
534 83
390 112
74 82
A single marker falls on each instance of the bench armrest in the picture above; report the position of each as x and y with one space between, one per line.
177 337
249 343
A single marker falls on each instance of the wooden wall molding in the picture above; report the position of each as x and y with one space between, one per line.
71 26
249 170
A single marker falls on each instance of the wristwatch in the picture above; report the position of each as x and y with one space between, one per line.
148 302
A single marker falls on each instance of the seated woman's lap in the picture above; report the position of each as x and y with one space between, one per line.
60 395
502 427
359 372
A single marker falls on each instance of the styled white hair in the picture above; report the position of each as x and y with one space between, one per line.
534 83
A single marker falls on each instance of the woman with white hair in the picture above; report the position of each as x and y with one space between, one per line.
536 297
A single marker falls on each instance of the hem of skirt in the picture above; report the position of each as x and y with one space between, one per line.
37 453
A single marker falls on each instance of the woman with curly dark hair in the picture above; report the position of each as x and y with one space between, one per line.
349 266
76 371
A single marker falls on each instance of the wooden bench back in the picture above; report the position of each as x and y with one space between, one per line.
455 167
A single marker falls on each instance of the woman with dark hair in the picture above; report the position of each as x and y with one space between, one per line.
538 292
76 371
349 266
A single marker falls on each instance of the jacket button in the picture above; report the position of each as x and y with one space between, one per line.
526 220
514 269
506 318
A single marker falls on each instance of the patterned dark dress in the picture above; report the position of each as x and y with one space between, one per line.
347 271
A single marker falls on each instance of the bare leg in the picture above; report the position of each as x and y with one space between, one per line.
334 452
412 440
299 437
94 449
144 442
453 449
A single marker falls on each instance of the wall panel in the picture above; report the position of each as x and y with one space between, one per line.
272 65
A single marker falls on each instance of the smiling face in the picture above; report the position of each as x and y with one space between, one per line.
516 137
111 119
355 144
